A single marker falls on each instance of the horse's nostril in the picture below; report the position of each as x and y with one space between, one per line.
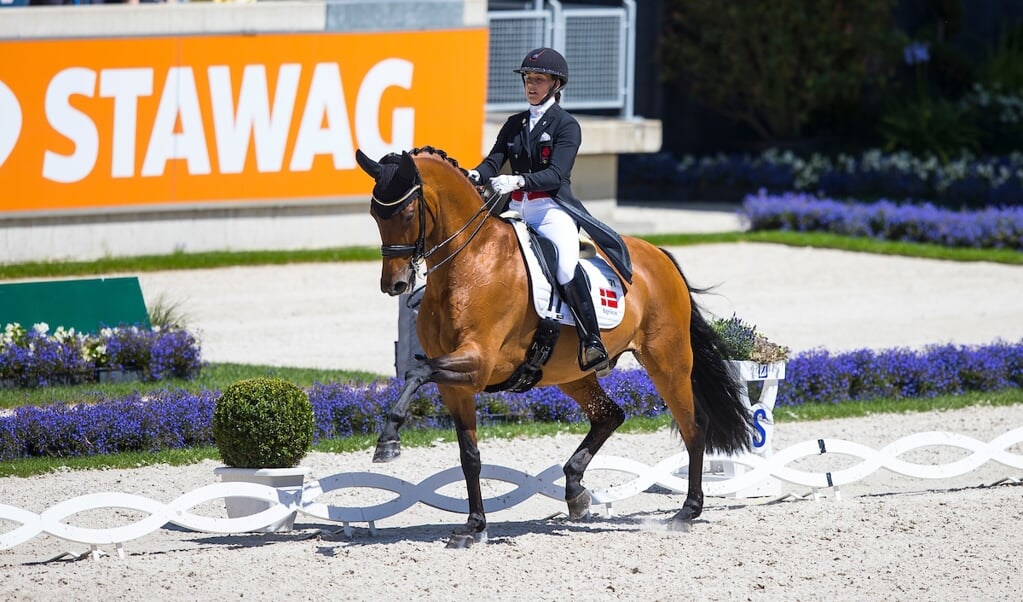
399 287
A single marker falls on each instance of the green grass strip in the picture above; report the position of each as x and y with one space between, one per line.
27 467
859 409
192 261
824 240
184 261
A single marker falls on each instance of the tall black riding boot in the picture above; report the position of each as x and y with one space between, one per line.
592 354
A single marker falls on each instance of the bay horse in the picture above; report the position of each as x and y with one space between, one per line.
476 323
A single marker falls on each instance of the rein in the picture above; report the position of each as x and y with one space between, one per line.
485 209
418 250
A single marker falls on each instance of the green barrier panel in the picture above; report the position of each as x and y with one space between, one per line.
85 305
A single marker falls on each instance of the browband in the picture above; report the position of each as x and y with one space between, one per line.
400 200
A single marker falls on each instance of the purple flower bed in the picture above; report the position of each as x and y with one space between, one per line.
823 377
175 419
35 358
967 181
885 220
169 419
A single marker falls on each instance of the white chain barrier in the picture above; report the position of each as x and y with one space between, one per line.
277 505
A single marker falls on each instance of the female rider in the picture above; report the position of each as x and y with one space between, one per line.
541 145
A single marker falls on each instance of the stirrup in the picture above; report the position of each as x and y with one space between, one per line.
602 365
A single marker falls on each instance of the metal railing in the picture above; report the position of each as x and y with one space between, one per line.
598 43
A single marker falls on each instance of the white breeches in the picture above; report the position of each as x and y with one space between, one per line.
551 221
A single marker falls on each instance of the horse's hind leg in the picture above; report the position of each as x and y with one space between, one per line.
605 416
676 388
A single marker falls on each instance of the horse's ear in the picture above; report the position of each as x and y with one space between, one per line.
407 167
368 165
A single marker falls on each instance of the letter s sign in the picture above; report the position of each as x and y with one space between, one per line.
760 434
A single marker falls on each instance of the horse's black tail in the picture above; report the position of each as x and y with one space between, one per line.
726 421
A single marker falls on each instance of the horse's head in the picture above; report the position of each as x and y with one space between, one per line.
409 212
398 185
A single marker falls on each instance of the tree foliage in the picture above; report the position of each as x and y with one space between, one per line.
771 64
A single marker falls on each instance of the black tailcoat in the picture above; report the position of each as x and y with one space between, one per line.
544 158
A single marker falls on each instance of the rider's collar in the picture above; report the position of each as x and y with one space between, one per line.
537 111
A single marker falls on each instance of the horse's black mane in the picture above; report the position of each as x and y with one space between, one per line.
442 154
439 152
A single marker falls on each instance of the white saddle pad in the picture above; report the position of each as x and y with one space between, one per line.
605 286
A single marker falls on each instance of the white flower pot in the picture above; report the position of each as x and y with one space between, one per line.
762 410
762 407
290 480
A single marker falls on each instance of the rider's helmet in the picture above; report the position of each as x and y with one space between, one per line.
545 60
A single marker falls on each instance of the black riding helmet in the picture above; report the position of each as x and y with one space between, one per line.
545 60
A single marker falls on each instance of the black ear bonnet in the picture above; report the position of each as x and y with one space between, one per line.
397 182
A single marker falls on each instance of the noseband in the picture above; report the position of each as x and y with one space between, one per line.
416 250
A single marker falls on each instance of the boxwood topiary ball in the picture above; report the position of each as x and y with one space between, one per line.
263 423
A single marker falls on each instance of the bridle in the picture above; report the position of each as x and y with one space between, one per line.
415 250
418 250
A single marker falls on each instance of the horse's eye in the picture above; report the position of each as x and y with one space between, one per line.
406 216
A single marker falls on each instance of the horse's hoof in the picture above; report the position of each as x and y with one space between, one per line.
579 508
386 451
461 541
685 517
680 525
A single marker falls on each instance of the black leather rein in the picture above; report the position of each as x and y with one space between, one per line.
418 250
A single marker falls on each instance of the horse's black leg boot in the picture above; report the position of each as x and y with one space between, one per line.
592 354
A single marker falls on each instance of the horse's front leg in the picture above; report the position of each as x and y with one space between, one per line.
462 406
389 442
459 376
461 368
464 368
605 417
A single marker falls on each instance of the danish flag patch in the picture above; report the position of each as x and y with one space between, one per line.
608 298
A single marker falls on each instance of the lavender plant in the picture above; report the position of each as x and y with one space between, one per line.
885 220
822 377
174 418
35 358
742 342
168 419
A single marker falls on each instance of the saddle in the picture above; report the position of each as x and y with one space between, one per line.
540 255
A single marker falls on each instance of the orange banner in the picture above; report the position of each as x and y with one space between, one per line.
144 121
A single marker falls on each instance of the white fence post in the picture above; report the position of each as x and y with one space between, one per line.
763 428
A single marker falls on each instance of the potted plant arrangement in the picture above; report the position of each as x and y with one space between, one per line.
752 354
263 427
761 363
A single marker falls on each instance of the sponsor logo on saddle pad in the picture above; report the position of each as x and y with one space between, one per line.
605 286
